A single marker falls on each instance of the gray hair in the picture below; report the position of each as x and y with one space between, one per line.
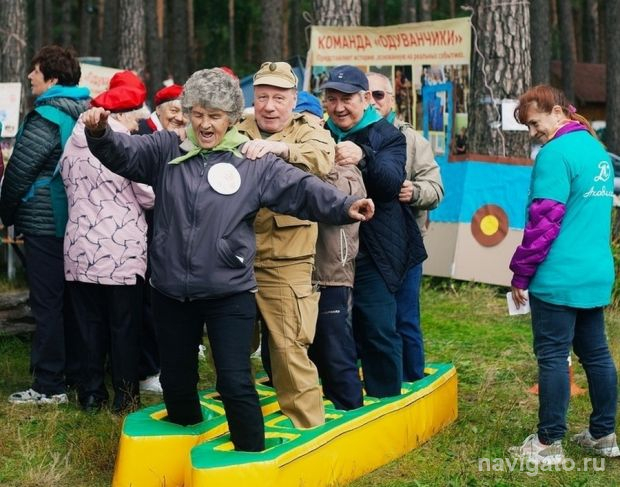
138 113
213 88
383 77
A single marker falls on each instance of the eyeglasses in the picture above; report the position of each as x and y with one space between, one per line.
380 94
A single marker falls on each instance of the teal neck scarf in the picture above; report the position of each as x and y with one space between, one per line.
370 116
56 91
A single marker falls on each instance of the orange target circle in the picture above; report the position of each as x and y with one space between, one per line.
489 225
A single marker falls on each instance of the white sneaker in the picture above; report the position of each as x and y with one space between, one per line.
151 384
33 397
534 451
606 446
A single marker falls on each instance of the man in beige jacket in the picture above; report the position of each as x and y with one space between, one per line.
287 301
423 191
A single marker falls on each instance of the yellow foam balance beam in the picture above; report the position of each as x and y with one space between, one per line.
154 452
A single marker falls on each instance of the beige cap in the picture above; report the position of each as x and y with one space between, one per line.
278 74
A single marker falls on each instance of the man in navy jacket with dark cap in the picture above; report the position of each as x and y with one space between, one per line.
390 243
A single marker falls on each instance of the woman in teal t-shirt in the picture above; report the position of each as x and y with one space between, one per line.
565 262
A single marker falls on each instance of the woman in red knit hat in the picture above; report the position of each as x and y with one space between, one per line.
105 253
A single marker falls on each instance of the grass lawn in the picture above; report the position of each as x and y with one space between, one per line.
464 324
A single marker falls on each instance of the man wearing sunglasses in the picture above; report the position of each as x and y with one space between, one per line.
391 242
422 190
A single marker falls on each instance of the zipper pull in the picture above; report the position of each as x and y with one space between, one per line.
204 166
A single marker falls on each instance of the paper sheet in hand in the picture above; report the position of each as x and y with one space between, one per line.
512 309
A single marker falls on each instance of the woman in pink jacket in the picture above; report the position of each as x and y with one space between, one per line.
105 257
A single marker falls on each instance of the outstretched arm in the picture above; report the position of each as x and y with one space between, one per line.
137 158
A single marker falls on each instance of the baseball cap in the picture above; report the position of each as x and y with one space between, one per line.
278 74
347 79
307 102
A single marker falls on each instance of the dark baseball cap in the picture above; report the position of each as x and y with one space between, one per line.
347 79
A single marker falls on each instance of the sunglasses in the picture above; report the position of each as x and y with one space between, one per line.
380 94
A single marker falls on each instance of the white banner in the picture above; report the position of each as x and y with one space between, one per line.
10 97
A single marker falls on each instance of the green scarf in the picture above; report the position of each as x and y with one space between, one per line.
370 116
231 140
391 117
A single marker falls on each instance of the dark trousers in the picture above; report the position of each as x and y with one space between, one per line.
56 343
555 329
109 319
408 324
333 350
374 326
149 352
230 326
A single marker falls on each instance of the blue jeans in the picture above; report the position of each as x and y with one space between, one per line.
333 350
555 329
408 324
374 327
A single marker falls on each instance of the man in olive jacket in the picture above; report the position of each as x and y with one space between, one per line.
285 245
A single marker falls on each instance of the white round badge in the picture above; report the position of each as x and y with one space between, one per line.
224 178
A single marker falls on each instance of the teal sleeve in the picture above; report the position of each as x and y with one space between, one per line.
550 177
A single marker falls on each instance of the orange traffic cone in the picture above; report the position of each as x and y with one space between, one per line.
575 390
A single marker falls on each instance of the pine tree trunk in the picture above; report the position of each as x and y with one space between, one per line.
132 42
231 33
191 35
97 31
380 12
271 29
66 23
541 39
109 38
612 38
179 46
567 48
48 29
408 11
13 42
155 45
425 10
86 22
337 12
285 31
296 28
590 31
365 13
39 22
503 71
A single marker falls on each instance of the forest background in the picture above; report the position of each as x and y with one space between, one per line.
514 43
158 38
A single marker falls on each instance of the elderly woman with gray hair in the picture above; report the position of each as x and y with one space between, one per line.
207 195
